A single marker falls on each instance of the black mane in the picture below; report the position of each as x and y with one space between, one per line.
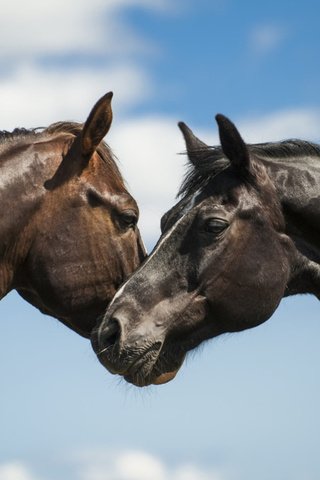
211 160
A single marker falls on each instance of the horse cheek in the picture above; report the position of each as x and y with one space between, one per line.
263 286
249 291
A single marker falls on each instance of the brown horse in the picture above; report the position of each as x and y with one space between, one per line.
68 229
245 233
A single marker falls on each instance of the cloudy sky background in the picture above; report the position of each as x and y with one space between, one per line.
246 406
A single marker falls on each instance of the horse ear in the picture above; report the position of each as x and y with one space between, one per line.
97 125
232 144
193 144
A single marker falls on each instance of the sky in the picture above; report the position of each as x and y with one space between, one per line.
244 406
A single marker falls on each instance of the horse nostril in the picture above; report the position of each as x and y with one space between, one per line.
110 335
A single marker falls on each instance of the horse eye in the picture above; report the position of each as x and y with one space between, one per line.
129 218
215 225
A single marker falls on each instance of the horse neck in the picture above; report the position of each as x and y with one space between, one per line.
22 174
297 181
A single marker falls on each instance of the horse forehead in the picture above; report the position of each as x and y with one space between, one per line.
118 200
122 200
215 200
192 201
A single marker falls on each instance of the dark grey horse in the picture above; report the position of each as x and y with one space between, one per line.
245 233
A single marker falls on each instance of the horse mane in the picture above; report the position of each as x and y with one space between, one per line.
211 160
73 128
18 133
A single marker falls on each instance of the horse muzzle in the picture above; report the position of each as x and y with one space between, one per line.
139 357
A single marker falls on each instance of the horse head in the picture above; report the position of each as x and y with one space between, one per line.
221 265
72 236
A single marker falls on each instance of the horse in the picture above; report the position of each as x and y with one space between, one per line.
68 228
244 234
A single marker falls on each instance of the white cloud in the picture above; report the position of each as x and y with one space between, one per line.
106 464
190 472
292 123
266 38
137 465
32 96
148 151
34 28
127 465
44 91
15 471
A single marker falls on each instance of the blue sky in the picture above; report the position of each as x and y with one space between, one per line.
246 405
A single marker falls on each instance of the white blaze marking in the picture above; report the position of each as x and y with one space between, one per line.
186 209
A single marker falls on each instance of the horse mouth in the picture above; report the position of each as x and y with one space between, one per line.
153 367
161 362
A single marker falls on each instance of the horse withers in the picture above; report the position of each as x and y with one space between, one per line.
68 229
245 233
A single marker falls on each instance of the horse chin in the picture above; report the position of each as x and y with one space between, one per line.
155 373
165 377
141 381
